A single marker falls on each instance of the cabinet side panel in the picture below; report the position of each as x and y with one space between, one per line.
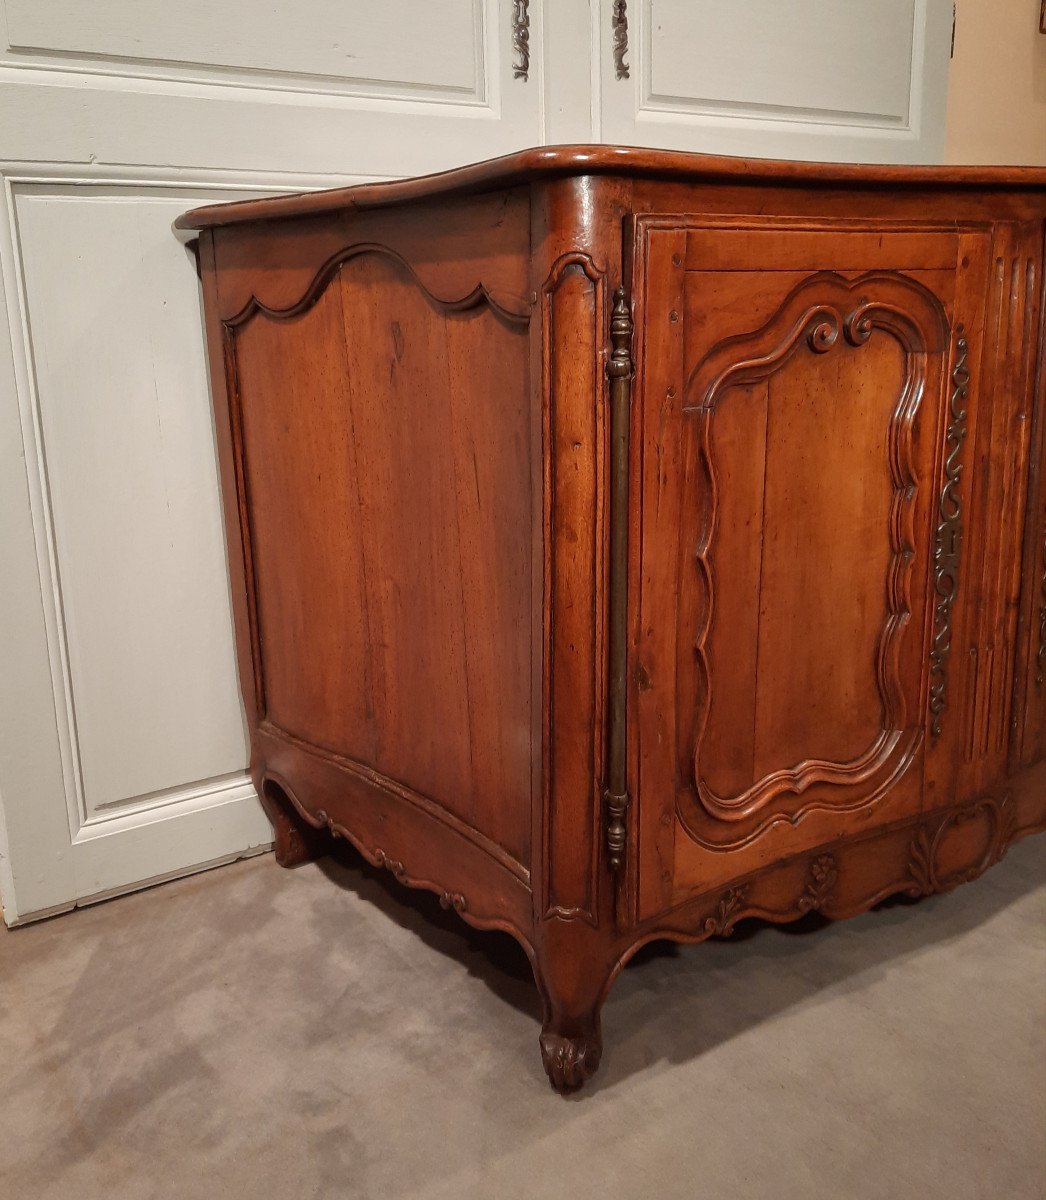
385 444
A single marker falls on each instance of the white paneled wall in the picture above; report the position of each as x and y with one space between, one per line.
348 48
807 79
122 745
131 498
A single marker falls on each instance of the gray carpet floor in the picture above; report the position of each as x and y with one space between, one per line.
253 1032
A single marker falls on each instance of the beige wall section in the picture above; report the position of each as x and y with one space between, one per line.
997 89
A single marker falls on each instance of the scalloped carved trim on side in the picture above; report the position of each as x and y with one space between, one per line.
419 800
511 308
379 857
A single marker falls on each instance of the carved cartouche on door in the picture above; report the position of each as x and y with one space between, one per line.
776 369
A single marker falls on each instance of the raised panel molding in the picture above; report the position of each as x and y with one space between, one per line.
837 82
145 109
92 814
126 506
823 312
710 74
448 61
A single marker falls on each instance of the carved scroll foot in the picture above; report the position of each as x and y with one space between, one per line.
569 1061
296 841
573 969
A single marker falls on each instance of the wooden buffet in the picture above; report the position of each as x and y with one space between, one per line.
625 543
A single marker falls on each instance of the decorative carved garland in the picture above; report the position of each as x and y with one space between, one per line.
948 551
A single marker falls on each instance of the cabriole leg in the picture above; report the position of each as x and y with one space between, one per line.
572 979
296 840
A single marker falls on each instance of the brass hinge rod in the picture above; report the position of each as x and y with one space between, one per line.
619 370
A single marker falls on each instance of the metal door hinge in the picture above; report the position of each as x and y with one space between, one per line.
619 370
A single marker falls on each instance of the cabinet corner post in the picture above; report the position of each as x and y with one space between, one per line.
619 371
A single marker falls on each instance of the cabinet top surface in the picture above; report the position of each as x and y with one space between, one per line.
548 162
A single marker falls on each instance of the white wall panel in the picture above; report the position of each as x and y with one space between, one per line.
122 750
837 61
434 49
128 450
844 80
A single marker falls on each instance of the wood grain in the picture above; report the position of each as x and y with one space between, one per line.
835 527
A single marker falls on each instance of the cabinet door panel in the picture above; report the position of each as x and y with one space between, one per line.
792 461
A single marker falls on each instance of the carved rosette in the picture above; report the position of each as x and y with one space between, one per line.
948 550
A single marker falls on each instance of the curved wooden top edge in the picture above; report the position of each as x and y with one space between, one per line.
555 161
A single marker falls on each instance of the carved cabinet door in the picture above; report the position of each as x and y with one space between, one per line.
800 426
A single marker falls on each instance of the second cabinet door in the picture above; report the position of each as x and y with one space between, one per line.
801 391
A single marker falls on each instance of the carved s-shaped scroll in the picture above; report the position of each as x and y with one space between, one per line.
619 23
948 550
521 39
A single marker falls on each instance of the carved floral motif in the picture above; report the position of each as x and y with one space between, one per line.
721 923
819 884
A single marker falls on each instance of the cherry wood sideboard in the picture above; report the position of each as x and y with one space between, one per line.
625 543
